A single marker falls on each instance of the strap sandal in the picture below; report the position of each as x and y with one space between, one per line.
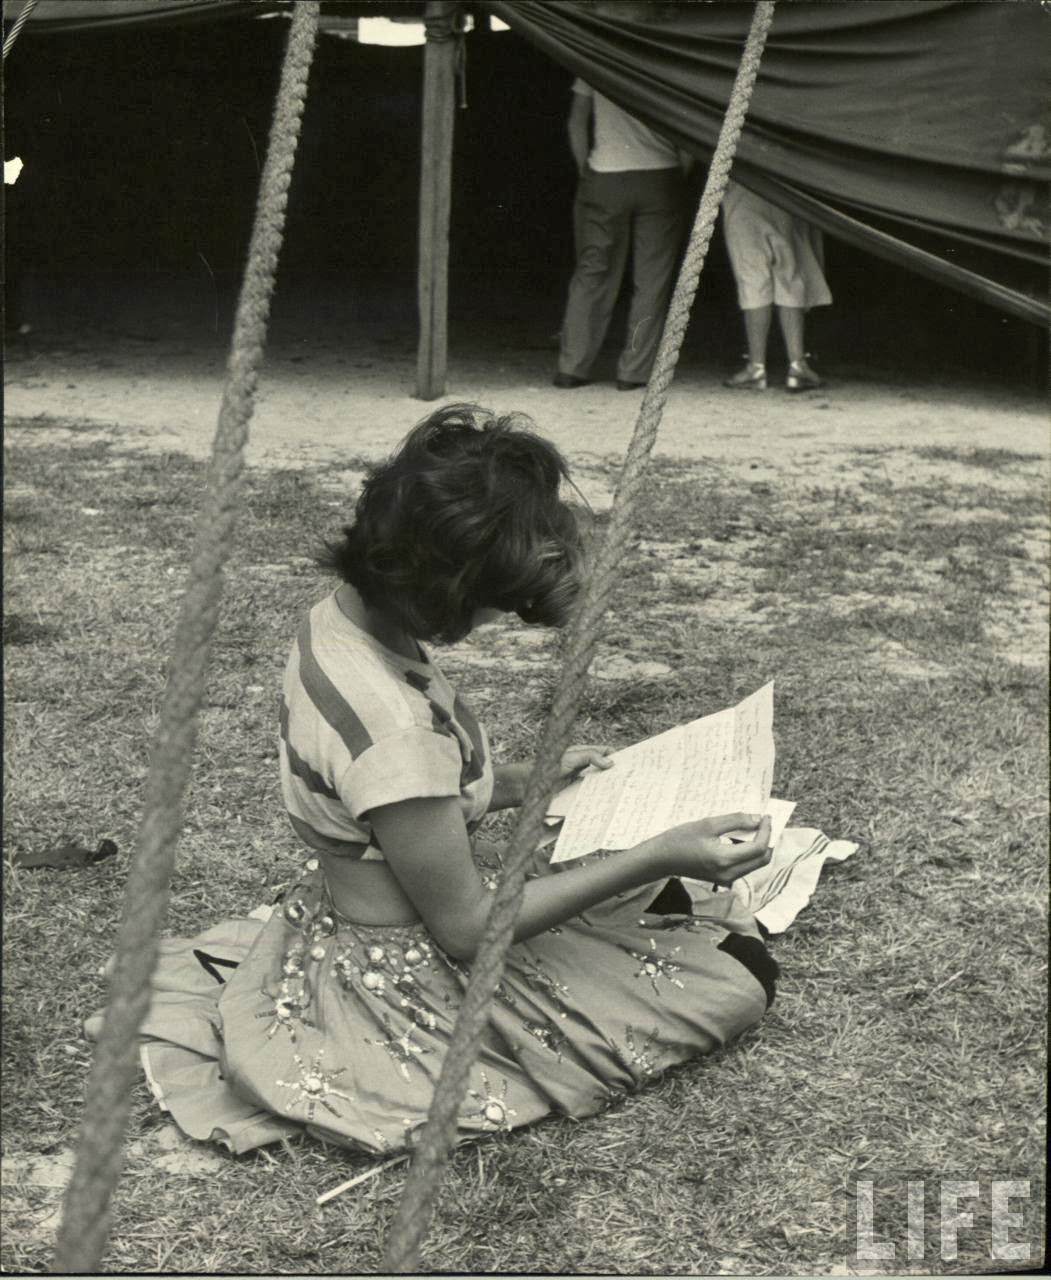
751 378
801 377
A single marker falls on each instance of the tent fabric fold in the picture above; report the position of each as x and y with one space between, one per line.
72 15
917 131
894 125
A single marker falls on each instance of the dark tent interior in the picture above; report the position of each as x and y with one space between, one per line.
142 148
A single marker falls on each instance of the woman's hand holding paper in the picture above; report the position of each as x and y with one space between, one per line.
697 851
578 758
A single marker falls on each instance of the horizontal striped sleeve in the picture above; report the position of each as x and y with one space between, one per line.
327 699
409 765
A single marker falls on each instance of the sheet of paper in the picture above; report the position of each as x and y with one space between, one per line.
779 811
717 764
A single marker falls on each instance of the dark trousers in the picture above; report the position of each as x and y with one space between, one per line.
641 211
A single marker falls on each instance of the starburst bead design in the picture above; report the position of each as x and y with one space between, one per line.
654 966
540 980
404 982
293 997
421 1016
314 1087
505 995
297 913
549 1036
382 967
640 1054
403 1049
493 1110
283 1014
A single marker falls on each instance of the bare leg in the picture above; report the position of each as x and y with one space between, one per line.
791 320
757 331
800 377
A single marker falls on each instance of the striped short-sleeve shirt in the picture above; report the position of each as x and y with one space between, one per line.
362 726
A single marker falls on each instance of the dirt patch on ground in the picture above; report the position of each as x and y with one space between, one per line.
331 393
333 406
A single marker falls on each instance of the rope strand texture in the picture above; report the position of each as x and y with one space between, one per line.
414 1211
17 25
84 1228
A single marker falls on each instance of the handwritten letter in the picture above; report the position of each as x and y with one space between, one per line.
718 764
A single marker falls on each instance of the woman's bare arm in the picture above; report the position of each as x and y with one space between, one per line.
427 848
509 783
509 780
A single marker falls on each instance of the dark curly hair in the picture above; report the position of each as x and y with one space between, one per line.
465 515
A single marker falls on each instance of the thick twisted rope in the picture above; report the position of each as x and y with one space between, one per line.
85 1221
17 25
413 1215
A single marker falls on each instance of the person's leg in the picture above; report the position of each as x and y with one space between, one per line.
747 238
657 229
757 333
603 227
800 377
791 320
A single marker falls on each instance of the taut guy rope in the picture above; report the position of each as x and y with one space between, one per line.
84 1228
412 1217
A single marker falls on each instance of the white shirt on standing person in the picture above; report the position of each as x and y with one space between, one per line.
620 142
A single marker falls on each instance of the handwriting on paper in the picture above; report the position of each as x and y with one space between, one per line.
718 764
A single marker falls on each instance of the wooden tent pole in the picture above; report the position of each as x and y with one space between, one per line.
436 143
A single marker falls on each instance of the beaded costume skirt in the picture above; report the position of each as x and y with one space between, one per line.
311 1020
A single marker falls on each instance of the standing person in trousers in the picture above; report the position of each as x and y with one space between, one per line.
777 262
630 196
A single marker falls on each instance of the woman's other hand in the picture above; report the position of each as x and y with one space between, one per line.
698 852
576 759
510 780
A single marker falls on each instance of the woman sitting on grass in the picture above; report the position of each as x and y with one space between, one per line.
342 1004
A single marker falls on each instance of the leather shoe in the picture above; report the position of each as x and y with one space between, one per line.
624 385
567 380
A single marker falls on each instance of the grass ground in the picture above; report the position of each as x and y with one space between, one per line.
903 614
